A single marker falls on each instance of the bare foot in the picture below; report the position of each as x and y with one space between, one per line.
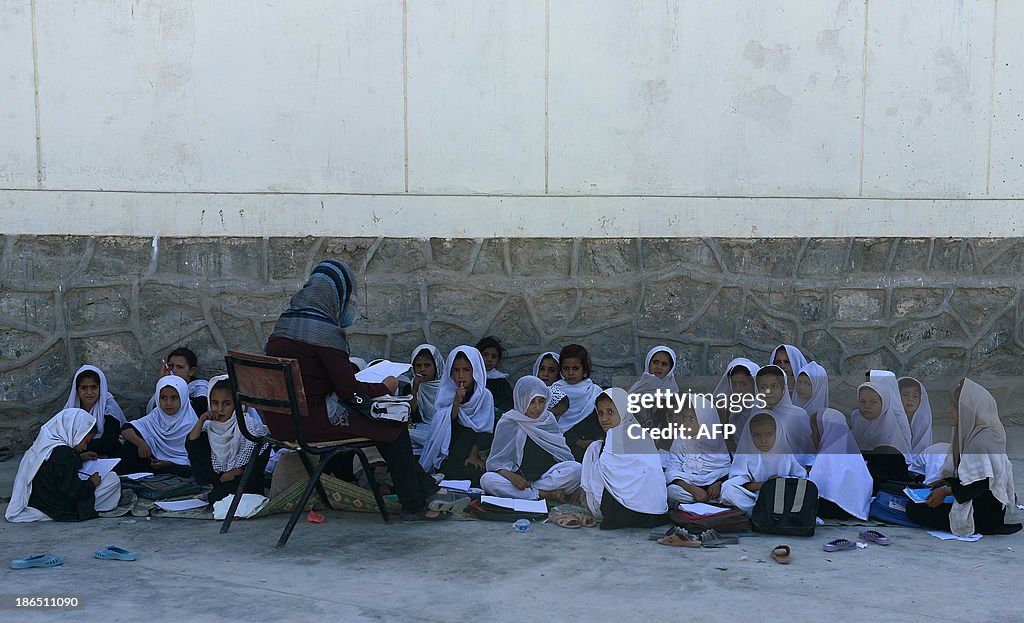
558 495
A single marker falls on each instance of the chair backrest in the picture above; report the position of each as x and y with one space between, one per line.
273 385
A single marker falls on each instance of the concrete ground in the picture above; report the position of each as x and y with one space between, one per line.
355 568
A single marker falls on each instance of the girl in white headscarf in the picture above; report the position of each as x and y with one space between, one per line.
156 441
840 473
697 467
791 360
182 362
463 422
763 454
926 458
89 392
497 381
659 375
529 459
547 369
875 423
773 384
737 383
622 480
578 420
48 485
812 389
977 472
218 452
427 366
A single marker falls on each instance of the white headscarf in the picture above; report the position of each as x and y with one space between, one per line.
921 425
536 364
978 452
724 388
839 470
630 469
581 401
649 383
795 420
883 430
819 389
426 393
165 434
887 381
477 413
105 404
196 388
796 361
515 426
229 447
67 428
701 461
751 465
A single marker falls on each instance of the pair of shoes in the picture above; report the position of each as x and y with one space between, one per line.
112 552
838 545
453 503
422 517
42 560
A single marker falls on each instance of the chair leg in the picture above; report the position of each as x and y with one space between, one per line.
314 479
373 485
238 495
324 460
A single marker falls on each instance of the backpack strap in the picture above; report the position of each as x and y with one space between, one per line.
801 491
780 496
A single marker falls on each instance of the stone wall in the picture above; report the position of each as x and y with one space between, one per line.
933 308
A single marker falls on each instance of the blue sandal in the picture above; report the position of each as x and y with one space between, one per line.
43 560
111 552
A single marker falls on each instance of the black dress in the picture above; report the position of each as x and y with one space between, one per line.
989 513
536 461
463 439
109 444
201 460
57 490
588 429
618 516
502 392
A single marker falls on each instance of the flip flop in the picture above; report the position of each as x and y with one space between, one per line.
781 554
43 560
315 517
874 536
454 503
838 545
567 520
112 552
679 539
712 538
661 533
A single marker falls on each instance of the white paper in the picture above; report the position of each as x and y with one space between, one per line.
137 475
97 466
699 508
948 536
181 505
521 506
381 370
462 486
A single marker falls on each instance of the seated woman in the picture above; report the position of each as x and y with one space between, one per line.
217 450
773 383
497 381
312 330
876 429
89 393
977 472
575 412
427 364
926 458
48 486
547 369
622 481
839 471
737 384
697 468
183 363
464 421
812 389
659 375
156 441
529 459
763 454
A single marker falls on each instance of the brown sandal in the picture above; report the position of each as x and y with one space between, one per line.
679 539
567 520
781 554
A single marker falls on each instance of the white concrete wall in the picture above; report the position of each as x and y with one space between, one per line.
512 117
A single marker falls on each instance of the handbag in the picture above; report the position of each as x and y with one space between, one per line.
786 506
383 408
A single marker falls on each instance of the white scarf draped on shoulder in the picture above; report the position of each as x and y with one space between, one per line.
839 470
581 397
515 427
426 393
165 434
885 430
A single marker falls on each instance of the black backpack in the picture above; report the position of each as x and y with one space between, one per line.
786 506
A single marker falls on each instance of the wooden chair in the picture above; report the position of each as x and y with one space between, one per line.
273 386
